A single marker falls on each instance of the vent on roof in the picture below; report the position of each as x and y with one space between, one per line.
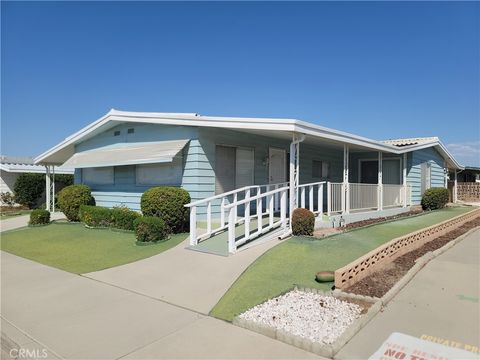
116 133
130 131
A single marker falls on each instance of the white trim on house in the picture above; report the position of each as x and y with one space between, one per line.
65 149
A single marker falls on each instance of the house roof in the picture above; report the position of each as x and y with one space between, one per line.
410 141
64 150
16 164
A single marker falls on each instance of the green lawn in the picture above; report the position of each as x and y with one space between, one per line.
74 248
298 259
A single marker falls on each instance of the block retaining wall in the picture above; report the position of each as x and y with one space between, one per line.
468 191
379 257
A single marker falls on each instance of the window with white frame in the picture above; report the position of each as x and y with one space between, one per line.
160 173
98 176
320 169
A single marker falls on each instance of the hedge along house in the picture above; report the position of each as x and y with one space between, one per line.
245 174
12 166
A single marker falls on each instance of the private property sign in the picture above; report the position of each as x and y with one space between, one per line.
404 347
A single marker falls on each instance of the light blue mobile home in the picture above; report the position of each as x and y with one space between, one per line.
221 161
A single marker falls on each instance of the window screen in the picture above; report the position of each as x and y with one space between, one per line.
160 173
244 167
98 176
224 169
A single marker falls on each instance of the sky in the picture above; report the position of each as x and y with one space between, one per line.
377 69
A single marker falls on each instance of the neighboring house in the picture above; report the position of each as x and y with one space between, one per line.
124 153
11 167
468 186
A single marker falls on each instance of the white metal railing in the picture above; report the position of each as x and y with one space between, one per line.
335 197
393 195
343 197
221 201
245 234
363 196
312 195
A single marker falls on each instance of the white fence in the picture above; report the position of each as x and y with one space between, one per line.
224 200
363 196
357 197
240 237
335 197
311 196
393 195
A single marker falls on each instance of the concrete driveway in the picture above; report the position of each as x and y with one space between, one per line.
79 318
187 278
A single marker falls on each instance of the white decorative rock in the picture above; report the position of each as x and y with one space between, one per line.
316 317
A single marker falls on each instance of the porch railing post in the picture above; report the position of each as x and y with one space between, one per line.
193 226
404 163
247 213
222 212
231 230
283 208
320 199
329 198
380 181
209 217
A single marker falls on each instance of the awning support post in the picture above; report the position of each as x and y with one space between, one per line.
294 173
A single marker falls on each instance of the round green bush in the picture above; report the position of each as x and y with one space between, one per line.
150 229
167 203
72 197
303 222
96 216
28 188
435 198
124 218
39 217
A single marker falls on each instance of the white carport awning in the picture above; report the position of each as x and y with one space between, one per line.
127 154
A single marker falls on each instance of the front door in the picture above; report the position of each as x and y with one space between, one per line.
277 166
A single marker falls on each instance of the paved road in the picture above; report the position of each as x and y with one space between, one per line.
188 278
77 317
441 301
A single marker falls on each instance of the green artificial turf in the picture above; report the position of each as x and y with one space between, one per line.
77 249
296 261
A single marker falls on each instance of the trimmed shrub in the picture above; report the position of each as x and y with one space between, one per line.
39 217
435 198
167 203
72 197
96 216
28 189
303 222
124 218
150 229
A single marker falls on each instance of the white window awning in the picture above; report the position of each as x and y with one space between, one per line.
127 154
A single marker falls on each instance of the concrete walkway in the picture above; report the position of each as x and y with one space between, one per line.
440 303
188 278
79 318
22 221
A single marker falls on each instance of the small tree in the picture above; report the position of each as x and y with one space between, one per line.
28 188
72 197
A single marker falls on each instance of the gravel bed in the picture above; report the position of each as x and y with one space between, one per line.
316 317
